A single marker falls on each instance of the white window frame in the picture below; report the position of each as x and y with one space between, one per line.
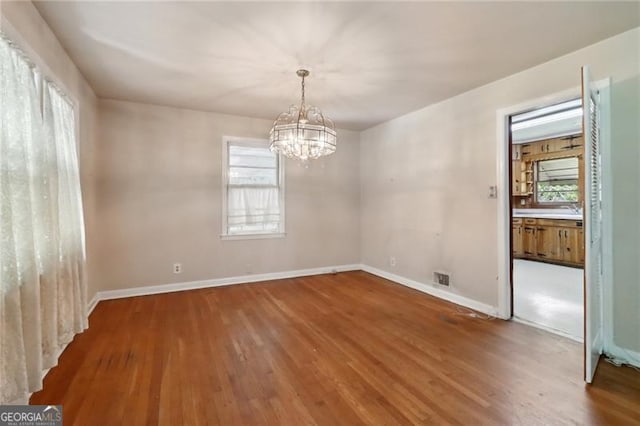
226 141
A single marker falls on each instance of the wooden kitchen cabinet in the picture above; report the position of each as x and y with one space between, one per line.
545 147
571 244
566 146
516 232
516 152
527 150
542 242
548 244
548 240
516 178
529 243
570 142
581 247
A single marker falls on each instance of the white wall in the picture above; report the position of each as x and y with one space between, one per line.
625 135
27 28
425 179
159 200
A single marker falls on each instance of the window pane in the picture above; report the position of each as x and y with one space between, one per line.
557 180
252 176
556 192
262 228
251 156
253 189
252 210
558 169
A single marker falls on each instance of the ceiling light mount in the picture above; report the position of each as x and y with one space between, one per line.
303 132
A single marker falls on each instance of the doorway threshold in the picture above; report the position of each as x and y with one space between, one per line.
548 329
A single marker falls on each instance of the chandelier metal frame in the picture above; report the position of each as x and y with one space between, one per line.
303 132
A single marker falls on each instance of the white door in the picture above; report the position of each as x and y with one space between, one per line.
592 228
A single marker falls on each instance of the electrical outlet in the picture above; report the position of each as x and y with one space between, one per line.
177 268
392 261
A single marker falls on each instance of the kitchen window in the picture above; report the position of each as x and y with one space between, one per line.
557 181
253 190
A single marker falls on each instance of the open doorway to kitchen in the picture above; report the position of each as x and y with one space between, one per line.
530 137
547 196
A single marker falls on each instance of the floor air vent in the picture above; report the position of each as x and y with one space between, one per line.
441 278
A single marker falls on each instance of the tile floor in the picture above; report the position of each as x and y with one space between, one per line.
549 296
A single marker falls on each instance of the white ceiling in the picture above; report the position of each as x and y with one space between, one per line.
369 62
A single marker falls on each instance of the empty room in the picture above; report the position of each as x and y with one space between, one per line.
319 213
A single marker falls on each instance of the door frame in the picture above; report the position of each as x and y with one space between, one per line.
503 152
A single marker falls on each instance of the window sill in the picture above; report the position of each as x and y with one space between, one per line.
229 237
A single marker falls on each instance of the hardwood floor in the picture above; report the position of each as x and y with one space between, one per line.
345 349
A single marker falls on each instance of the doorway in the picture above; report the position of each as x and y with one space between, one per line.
546 210
597 226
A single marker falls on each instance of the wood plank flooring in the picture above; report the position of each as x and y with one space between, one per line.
343 349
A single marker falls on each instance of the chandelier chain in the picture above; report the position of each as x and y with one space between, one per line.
303 90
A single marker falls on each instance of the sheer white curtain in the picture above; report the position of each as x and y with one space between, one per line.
42 278
253 209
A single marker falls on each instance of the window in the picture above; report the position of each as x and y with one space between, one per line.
253 190
557 180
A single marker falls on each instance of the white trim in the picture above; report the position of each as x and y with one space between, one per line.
433 289
547 329
92 303
623 354
430 288
253 236
218 282
225 180
504 180
604 86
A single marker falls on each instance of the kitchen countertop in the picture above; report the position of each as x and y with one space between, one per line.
563 214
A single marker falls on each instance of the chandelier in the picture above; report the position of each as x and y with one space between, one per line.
303 132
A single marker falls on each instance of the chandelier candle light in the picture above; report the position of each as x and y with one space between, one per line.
303 132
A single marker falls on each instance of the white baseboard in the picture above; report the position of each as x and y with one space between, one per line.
430 288
92 303
218 282
626 355
434 290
